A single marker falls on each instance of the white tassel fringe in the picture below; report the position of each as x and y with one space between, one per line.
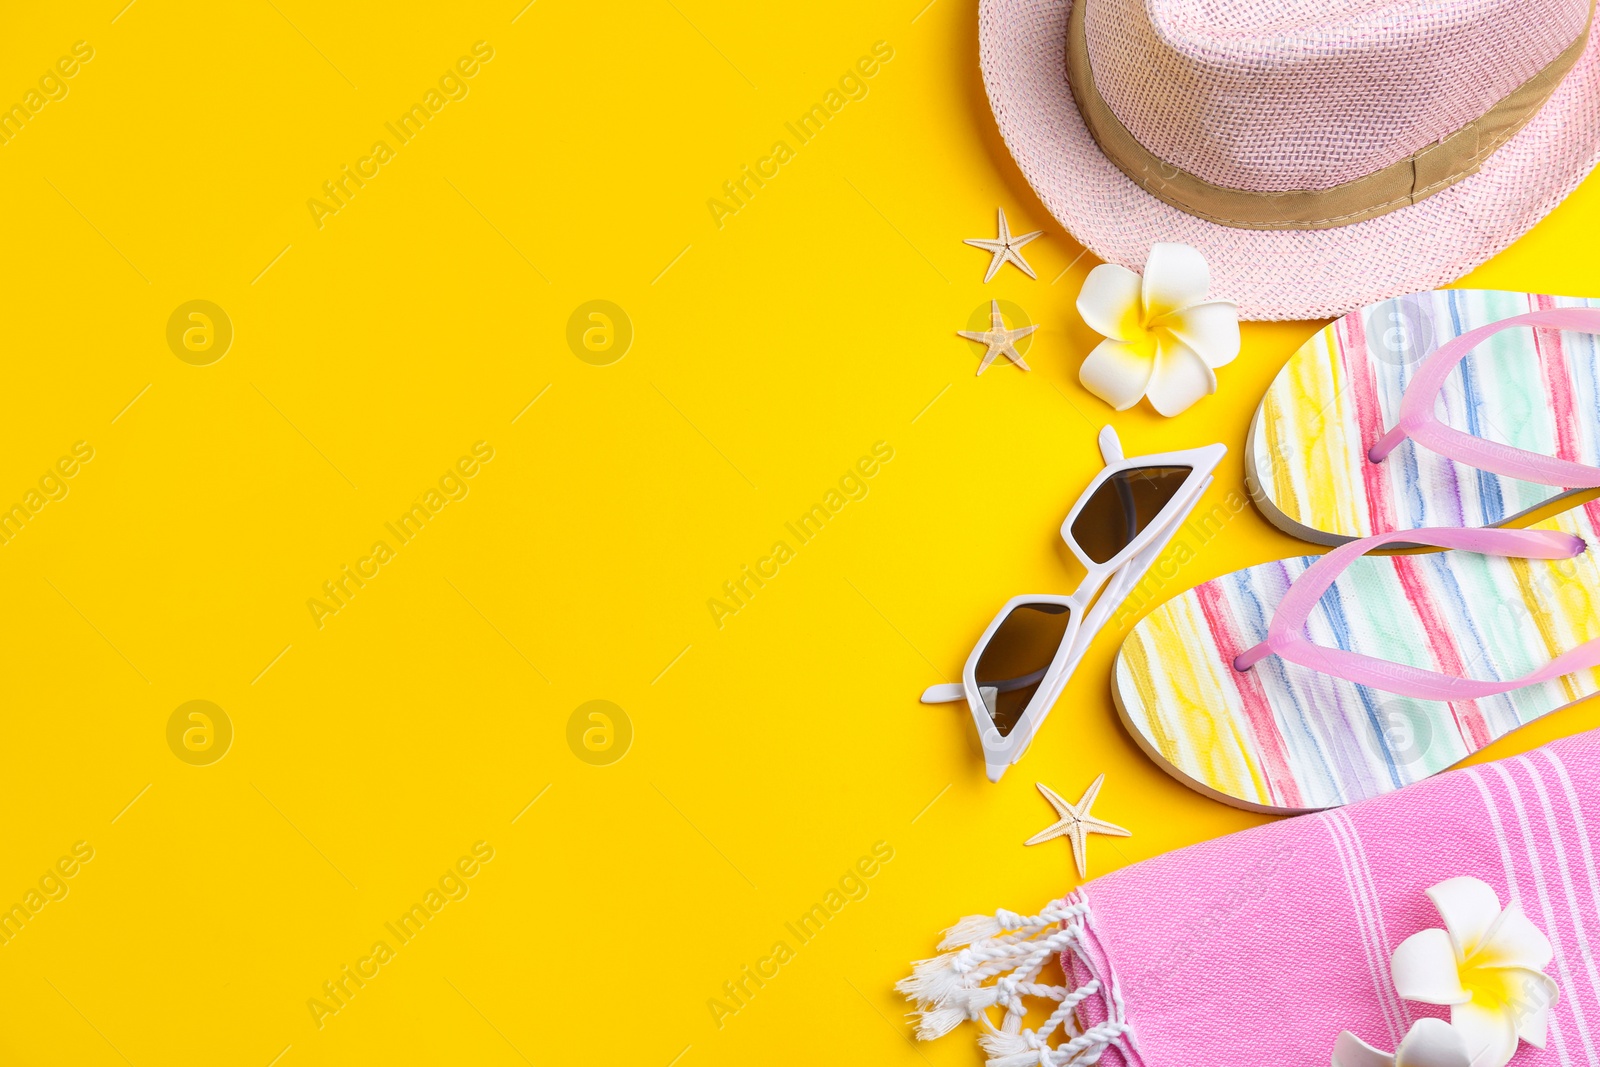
1012 949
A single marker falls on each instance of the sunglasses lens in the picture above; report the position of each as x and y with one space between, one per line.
1124 505
1014 661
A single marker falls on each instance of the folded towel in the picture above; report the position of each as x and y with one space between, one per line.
1261 947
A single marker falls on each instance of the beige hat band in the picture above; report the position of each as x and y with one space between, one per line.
1398 185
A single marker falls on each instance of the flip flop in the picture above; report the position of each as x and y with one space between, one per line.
1521 417
1314 682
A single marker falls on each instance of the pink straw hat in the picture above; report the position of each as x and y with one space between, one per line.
1322 154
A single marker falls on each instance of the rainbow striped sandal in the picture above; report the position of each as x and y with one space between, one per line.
1313 682
1348 440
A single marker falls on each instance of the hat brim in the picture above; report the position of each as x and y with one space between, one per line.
1277 274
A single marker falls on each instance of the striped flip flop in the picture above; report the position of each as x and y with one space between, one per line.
1369 676
1519 407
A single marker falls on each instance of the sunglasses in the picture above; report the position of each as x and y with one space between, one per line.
1117 529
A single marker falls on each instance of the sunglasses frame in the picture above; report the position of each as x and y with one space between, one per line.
1111 580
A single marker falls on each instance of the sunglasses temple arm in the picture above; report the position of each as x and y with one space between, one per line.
1130 573
1130 511
1094 620
953 691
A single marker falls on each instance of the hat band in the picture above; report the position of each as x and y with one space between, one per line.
1397 185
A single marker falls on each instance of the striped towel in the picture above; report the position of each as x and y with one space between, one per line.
1260 947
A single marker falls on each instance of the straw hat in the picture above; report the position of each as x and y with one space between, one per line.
1322 154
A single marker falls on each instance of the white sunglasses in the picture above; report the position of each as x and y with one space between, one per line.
1118 528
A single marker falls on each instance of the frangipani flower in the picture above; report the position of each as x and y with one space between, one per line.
1431 1043
1164 339
1486 964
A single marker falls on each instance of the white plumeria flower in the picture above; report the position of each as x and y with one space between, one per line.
1164 339
1487 964
1431 1043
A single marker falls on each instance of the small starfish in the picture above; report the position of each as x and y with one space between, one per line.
1004 247
998 339
1076 823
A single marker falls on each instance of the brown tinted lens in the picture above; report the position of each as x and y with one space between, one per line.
1124 504
1014 661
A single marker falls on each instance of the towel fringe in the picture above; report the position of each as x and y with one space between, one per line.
1012 949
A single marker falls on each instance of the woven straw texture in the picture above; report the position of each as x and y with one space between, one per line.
1276 274
1239 95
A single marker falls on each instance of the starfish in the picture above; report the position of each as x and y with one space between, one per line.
998 339
1005 247
1076 823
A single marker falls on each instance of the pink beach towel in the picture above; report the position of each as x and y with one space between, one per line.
1261 947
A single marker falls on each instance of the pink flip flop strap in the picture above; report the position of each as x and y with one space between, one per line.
1418 422
1289 620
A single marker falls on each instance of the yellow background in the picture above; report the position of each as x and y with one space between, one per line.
369 354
